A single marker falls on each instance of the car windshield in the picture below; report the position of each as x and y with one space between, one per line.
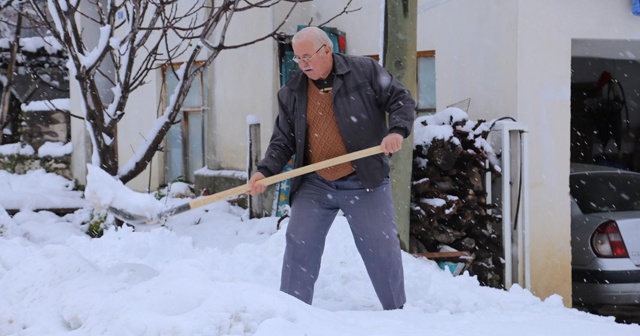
606 192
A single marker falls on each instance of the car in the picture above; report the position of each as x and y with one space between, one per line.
605 238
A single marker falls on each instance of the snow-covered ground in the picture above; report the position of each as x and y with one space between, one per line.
210 271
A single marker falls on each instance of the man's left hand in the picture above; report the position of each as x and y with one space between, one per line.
391 143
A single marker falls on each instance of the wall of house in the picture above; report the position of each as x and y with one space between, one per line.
362 26
141 113
243 83
475 44
512 58
546 28
476 54
81 154
142 110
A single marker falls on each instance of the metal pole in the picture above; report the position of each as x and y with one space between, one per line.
506 208
526 224
256 209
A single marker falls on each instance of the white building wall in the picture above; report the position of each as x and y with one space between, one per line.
475 44
245 81
363 26
512 58
545 31
81 154
242 82
142 110
80 138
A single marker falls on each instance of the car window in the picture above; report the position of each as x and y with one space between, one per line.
606 192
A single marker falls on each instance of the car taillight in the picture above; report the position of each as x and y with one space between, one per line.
607 242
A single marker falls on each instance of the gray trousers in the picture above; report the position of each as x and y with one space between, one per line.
370 214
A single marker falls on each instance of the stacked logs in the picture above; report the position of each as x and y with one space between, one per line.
449 200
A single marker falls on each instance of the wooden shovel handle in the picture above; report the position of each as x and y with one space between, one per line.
286 175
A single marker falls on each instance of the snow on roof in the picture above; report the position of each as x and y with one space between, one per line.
32 44
48 105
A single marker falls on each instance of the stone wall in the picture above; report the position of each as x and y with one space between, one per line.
20 164
43 126
209 182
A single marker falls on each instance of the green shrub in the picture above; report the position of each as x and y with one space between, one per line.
97 224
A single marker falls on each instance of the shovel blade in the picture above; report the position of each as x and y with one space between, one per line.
130 218
135 219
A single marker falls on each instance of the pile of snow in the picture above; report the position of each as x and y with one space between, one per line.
211 272
105 191
63 104
442 125
32 44
49 148
30 191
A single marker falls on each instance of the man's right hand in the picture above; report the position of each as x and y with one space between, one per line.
256 188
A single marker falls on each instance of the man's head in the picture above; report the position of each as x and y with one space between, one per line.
312 49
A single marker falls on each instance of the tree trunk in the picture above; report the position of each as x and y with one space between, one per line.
399 56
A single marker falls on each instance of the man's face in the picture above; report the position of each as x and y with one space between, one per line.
314 60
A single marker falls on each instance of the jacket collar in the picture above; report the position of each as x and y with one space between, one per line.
339 64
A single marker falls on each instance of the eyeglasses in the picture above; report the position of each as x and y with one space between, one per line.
307 59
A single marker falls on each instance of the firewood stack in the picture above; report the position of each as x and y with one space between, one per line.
449 201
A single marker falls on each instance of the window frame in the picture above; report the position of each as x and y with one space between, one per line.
419 54
202 109
424 54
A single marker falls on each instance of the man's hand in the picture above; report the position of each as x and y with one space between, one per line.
391 143
256 188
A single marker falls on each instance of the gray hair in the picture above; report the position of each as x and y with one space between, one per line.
314 34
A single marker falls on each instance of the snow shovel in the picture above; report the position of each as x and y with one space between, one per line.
138 219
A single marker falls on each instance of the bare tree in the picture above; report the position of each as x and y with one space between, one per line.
135 38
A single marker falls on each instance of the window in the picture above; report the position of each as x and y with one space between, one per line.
185 143
426 86
426 72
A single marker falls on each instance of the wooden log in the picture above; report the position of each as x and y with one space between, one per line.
461 256
454 170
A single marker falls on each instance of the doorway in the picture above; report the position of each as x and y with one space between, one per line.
605 100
